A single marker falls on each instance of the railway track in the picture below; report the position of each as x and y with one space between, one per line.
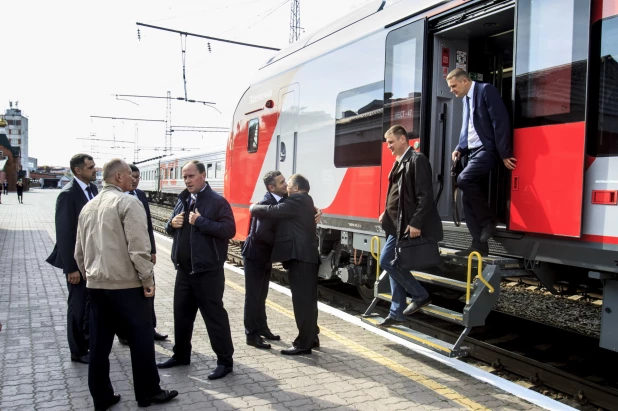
565 365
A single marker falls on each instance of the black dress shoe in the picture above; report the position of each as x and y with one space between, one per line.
172 362
488 231
159 337
160 398
84 359
270 336
388 321
112 401
416 305
219 372
296 351
468 251
257 342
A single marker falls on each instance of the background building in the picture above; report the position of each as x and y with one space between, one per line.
33 164
9 159
17 133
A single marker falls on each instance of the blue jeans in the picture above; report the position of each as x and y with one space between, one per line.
402 281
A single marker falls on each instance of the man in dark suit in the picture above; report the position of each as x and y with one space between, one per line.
141 196
69 204
256 252
410 210
296 246
486 138
202 225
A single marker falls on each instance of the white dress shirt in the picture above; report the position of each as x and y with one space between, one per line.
84 186
278 198
473 138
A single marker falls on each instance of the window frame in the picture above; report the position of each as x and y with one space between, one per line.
251 123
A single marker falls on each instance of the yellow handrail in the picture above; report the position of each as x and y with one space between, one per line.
376 255
479 274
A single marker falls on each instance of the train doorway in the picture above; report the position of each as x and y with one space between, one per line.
482 45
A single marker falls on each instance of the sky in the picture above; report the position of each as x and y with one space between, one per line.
65 61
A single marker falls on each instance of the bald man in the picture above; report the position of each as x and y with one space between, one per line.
113 254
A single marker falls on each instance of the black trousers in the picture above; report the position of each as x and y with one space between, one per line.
77 318
471 180
303 279
257 277
128 312
203 291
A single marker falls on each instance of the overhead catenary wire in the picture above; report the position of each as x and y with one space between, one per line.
239 43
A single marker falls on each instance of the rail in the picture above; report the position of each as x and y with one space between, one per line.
479 274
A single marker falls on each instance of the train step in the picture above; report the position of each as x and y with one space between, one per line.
441 281
481 292
419 338
505 263
433 310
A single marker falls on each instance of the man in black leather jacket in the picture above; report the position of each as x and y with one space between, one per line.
296 246
202 225
256 252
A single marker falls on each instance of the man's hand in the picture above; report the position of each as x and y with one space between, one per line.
149 291
153 258
179 220
74 277
456 154
193 216
413 232
381 218
251 208
318 215
510 163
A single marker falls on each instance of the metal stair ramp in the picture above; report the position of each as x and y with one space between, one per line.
482 292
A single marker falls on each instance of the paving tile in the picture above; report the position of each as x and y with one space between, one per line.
346 373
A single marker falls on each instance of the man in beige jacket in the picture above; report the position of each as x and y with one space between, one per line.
113 254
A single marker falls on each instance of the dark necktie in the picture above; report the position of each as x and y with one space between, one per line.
132 192
90 196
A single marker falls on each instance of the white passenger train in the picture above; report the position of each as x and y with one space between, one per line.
161 177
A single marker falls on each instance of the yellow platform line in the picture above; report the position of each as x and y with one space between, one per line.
380 359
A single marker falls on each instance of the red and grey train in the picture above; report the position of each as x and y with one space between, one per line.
321 106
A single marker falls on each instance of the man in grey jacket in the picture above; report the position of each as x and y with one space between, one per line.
113 254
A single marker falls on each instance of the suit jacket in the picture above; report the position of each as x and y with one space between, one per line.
259 243
142 197
491 122
416 205
69 204
296 228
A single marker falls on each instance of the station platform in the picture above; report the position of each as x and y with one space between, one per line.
357 367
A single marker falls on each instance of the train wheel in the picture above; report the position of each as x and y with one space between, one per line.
365 292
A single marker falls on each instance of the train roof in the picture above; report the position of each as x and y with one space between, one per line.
362 22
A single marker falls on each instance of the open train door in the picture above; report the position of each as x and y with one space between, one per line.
551 71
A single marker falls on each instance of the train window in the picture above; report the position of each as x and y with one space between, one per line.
172 174
218 170
210 171
403 79
252 136
358 127
603 110
550 75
